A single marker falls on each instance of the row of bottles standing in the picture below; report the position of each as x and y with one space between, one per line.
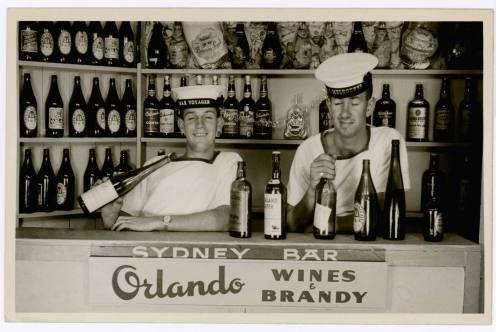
77 42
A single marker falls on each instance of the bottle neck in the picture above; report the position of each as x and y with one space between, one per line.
434 163
123 158
27 157
444 90
276 168
240 174
263 89
231 91
386 93
419 93
358 28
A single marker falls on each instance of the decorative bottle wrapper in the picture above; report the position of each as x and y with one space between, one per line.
206 41
114 121
81 42
98 48
101 118
131 119
64 42
321 217
47 43
166 121
78 120
111 47
99 196
28 39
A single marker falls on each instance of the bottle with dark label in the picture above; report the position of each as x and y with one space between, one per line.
96 43
54 111
324 116
178 113
167 110
96 111
444 115
325 209
46 41
263 113
385 110
127 45
129 105
271 48
366 208
468 110
230 112
65 184
77 111
241 52
92 173
247 109
113 116
240 224
123 166
275 203
151 111
108 166
46 185
433 180
357 43
27 185
394 203
29 110
64 41
417 123
81 42
157 49
111 44
28 40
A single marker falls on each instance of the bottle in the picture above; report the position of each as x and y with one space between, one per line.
178 49
433 181
157 49
366 208
324 116
385 110
199 80
240 224
241 52
81 42
215 81
357 43
29 110
395 204
465 201
296 125
178 113
123 166
230 112
92 173
96 42
127 45
113 116
167 110
111 44
46 185
247 108
118 185
64 41
96 111
129 110
77 111
275 204
467 113
27 185
443 115
271 48
417 123
65 184
263 113
433 220
46 41
108 166
54 111
28 41
151 111
382 46
325 209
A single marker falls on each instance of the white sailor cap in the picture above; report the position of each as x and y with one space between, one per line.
197 96
347 74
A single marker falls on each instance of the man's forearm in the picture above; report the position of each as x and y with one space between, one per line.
216 220
299 216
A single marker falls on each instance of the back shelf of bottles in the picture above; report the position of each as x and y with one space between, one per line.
76 140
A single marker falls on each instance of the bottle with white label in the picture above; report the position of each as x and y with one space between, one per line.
325 209
275 204
240 224
96 43
230 112
127 45
129 105
46 42
65 184
28 40
54 111
111 44
113 116
77 111
80 42
167 110
29 110
64 41
366 208
417 122
96 111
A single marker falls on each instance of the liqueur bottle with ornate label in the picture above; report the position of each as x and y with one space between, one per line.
366 208
46 185
81 42
113 116
29 110
240 224
385 110
96 43
157 49
127 45
108 166
129 105
28 41
96 111
358 41
123 166
92 173
64 41
468 112
247 109
263 113
417 123
271 48
241 51
27 185
77 111
275 204
65 184
433 181
54 111
167 110
325 209
47 42
230 112
151 111
444 115
111 44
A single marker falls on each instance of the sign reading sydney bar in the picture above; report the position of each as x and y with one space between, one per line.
237 282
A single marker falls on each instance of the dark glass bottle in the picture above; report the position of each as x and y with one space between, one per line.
138 42
444 115
77 111
123 166
394 203
54 111
29 110
324 116
417 122
96 111
263 113
157 49
460 51
92 173
271 48
28 41
240 223
65 184
113 116
127 45
385 110
46 42
358 41
468 110
81 42
230 110
151 111
247 111
64 41
46 185
466 201
433 181
108 166
433 220
325 210
178 113
167 110
275 203
96 42
112 48
27 185
129 105
366 208
241 52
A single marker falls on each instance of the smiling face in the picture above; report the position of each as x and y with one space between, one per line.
200 126
349 114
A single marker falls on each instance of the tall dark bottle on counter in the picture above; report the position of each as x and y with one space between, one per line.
64 42
357 43
111 44
77 111
433 180
263 113
275 203
27 185
385 110
157 49
92 173
123 166
65 184
433 213
54 111
468 113
417 122
127 45
271 48
28 41
96 43
96 111
151 111
113 115
230 110
46 185
240 223
129 112
247 111
108 167
81 43
167 110
240 54
47 42
29 110
366 208
444 115
325 210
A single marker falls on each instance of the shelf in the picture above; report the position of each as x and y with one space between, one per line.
75 212
425 145
73 67
52 140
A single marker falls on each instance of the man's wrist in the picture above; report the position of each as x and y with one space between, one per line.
166 220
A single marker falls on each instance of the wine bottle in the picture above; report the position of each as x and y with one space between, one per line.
64 41
113 116
54 111
65 184
46 41
247 108
417 124
263 113
433 181
443 115
275 204
433 220
167 110
357 43
467 111
96 42
108 166
241 52
81 42
96 111
28 41
385 110
325 209
230 112
324 116
27 185
395 204
271 48
127 45
157 49
129 105
92 173
151 111
29 110
123 166
366 208
77 111
118 185
240 223
111 44
46 185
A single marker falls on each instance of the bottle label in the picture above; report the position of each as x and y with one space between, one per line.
114 121
438 222
56 120
81 42
269 56
166 121
131 120
179 54
417 117
111 46
442 119
99 196
151 120
321 217
28 41
47 43
263 121
78 120
98 48
272 214
246 122
62 193
384 118
30 117
128 51
359 218
64 42
101 118
238 221
230 117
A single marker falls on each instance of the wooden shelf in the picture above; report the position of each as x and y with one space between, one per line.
76 67
425 145
52 140
75 212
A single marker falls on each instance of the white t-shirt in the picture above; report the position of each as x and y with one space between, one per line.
184 187
348 171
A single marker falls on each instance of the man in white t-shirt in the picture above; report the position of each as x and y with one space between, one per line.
192 192
349 89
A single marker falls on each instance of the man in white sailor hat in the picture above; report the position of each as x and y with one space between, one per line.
191 193
349 99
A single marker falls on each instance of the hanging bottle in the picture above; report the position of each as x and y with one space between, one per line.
247 109
366 208
324 116
65 184
46 185
28 41
92 173
433 181
27 185
64 41
151 111
123 166
417 123
444 115
77 111
230 128
113 116
178 49
127 45
157 49
240 223
29 110
325 209
111 44
357 42
271 48
275 204
129 105
81 42
385 110
241 51
303 48
263 113
108 166
96 111
167 110
54 111
46 42
468 111
96 42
